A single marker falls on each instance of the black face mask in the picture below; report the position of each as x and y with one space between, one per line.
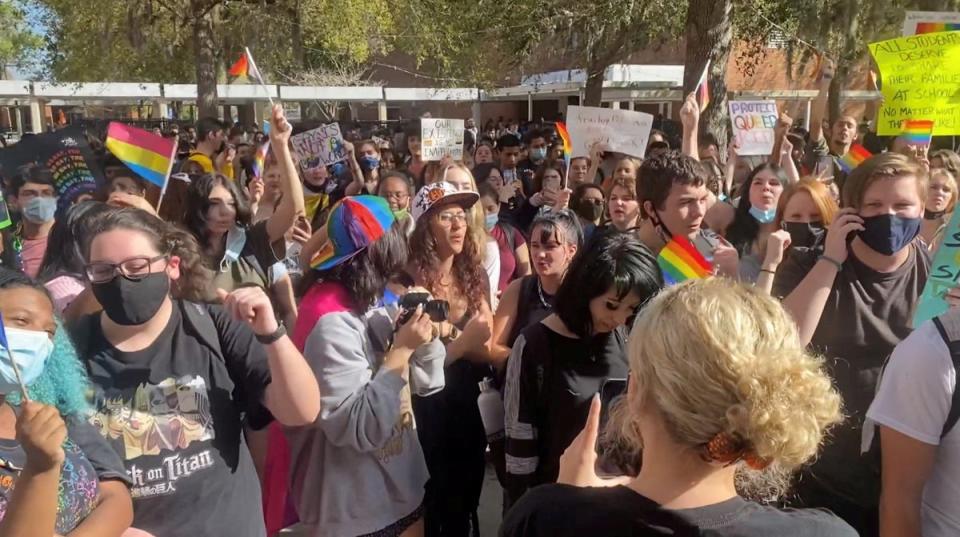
888 234
589 211
132 302
932 215
804 234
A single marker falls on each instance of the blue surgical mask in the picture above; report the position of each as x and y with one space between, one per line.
236 239
369 163
764 216
40 210
490 221
30 348
538 153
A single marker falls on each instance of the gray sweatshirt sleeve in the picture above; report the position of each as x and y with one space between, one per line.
357 408
426 365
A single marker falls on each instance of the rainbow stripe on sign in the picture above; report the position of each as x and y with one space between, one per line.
148 155
680 261
934 27
918 131
853 158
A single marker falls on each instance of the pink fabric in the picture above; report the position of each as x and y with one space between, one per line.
32 255
278 512
64 289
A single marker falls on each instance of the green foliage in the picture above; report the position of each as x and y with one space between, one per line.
19 44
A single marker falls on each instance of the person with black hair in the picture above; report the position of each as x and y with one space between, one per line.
212 154
514 255
537 146
34 193
587 201
557 365
754 232
413 163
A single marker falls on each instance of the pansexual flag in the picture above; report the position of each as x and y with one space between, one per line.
918 131
680 261
246 67
148 155
703 88
853 158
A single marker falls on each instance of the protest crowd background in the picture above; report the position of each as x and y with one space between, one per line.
738 317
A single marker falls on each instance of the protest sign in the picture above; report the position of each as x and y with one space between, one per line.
66 153
621 131
321 146
753 123
928 22
944 274
921 80
441 137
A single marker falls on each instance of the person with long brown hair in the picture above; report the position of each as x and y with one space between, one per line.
445 259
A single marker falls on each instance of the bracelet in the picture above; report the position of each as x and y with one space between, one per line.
832 261
269 339
768 271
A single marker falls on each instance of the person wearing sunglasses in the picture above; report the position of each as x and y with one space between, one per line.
587 202
175 382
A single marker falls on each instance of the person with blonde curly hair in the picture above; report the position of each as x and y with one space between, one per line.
724 402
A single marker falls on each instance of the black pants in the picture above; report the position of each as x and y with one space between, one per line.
811 493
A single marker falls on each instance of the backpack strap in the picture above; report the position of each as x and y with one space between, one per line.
196 317
952 338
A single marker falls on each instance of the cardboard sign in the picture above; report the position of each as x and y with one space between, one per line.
621 131
928 22
321 146
921 80
944 274
441 137
76 173
753 124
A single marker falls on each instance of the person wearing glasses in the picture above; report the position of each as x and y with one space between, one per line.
445 259
175 381
396 187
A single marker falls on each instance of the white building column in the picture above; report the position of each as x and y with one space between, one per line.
36 115
631 105
382 111
615 105
529 107
162 110
476 112
669 114
19 118
806 118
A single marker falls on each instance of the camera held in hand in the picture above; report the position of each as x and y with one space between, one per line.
436 309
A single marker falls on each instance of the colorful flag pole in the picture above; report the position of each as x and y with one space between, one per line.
567 150
13 363
246 67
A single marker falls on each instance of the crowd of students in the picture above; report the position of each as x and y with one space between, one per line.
317 347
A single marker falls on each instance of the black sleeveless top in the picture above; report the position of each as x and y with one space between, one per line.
530 309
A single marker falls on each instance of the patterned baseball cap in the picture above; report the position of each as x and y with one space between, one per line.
441 194
354 223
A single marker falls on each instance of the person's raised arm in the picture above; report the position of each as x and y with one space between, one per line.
777 244
902 484
690 118
784 121
596 156
786 161
112 516
291 199
355 188
818 110
730 169
806 302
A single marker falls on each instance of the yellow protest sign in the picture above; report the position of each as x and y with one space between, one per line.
921 80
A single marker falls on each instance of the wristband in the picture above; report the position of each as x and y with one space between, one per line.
269 339
768 271
832 261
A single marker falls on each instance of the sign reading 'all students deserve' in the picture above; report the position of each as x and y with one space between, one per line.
921 79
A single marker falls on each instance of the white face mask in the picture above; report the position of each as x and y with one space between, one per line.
236 239
30 348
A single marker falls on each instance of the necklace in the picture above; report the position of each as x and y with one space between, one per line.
540 294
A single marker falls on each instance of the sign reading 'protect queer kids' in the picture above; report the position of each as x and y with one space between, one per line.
921 79
621 131
944 274
753 124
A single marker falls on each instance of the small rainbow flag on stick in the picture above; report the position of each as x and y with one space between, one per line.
247 68
567 148
680 261
918 131
935 27
148 155
853 158
703 88
260 158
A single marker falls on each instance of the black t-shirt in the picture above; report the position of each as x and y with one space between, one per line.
174 413
562 510
88 461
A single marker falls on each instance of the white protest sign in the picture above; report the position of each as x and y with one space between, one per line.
753 123
319 147
621 131
441 137
927 22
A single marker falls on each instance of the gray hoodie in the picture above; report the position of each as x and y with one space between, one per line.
360 467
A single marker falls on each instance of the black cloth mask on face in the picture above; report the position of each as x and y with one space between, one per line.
805 234
132 302
888 233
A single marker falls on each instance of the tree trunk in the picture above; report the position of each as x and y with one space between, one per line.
204 47
709 33
848 57
593 91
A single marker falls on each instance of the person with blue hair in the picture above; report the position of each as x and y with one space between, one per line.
57 474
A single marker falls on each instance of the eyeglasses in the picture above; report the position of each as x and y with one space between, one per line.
135 268
447 219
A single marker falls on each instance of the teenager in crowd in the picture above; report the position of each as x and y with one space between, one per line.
823 148
940 201
854 301
536 144
507 193
587 202
673 196
724 402
127 182
87 485
366 167
212 154
805 211
272 178
579 168
547 183
364 443
555 238
414 162
484 153
623 208
175 381
558 364
520 182
446 261
946 159
388 159
32 191
514 255
755 219
397 188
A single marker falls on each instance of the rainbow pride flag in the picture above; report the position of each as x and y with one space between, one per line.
680 260
934 27
260 158
245 67
148 155
853 158
703 88
565 137
918 131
